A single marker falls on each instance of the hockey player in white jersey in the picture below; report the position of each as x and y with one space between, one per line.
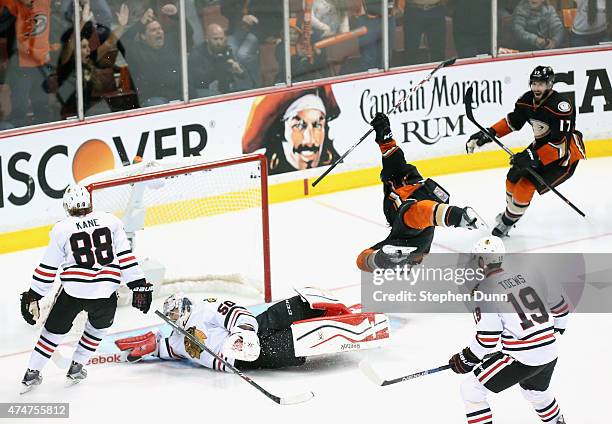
90 252
528 340
284 335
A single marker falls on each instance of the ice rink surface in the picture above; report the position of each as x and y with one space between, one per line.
315 242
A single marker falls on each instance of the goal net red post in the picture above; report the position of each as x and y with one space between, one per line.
194 225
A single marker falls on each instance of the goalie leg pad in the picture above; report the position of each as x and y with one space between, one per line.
138 346
357 331
282 314
320 299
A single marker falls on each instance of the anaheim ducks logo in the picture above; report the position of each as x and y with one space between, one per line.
39 25
540 129
192 349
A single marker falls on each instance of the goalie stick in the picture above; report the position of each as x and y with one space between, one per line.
407 95
470 114
285 400
367 369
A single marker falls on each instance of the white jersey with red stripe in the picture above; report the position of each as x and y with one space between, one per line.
92 255
211 321
525 326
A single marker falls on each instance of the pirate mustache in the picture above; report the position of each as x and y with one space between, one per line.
305 148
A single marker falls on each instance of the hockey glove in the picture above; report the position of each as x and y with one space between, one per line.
142 294
478 139
464 361
528 158
30 310
242 344
382 127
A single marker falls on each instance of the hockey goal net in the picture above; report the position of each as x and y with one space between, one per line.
194 226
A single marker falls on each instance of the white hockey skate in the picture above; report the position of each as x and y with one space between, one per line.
76 373
397 253
501 230
471 220
31 379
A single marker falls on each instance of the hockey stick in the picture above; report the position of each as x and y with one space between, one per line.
367 369
287 400
407 95
470 114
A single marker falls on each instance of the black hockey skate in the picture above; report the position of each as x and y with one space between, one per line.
31 379
561 420
76 373
501 229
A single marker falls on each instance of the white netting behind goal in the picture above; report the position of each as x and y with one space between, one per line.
195 226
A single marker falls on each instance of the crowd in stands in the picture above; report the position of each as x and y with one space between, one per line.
130 50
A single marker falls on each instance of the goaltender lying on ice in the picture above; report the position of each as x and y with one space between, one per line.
311 323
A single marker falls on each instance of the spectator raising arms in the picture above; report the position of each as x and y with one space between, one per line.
91 60
592 23
154 61
537 26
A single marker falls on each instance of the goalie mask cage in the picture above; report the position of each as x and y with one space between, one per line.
194 223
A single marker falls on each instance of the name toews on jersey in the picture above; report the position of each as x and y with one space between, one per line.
92 255
211 321
526 326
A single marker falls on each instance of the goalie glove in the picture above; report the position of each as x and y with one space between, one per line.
30 310
242 344
142 294
478 139
464 361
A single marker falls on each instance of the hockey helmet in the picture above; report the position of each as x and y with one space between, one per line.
178 309
77 200
543 74
488 252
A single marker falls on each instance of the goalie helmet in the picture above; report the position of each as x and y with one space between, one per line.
488 252
77 200
178 309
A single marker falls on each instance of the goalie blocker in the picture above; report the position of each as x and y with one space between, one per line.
311 323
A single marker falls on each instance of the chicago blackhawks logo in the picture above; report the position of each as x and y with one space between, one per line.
191 348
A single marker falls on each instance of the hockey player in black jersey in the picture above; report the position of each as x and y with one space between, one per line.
413 207
554 154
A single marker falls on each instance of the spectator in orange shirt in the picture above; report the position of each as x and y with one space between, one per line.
26 73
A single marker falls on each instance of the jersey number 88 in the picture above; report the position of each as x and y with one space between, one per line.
89 250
